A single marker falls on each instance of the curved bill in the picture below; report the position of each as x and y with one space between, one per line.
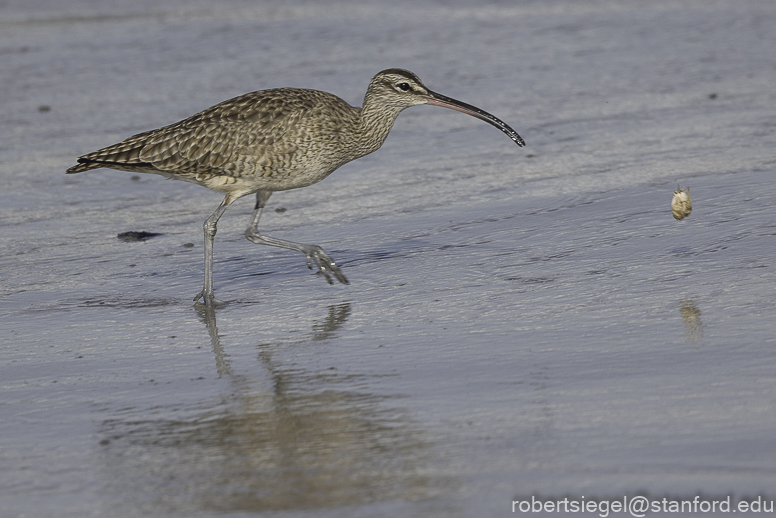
436 99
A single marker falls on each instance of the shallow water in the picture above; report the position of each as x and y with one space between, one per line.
519 321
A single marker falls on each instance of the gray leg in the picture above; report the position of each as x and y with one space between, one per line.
207 295
314 253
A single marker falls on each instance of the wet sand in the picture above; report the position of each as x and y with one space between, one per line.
519 321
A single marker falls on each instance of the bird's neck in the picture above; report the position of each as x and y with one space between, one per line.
375 122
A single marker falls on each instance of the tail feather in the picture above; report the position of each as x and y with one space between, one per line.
121 155
83 166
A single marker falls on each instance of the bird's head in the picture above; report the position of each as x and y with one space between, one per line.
397 89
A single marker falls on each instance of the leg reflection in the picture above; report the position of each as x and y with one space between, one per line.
208 316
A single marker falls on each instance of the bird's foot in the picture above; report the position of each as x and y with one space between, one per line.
209 300
326 266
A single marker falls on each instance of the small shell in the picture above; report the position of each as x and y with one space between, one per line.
681 203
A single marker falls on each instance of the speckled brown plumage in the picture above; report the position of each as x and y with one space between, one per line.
263 140
273 140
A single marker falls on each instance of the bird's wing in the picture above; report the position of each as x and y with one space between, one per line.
211 140
214 137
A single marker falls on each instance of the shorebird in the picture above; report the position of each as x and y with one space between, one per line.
274 140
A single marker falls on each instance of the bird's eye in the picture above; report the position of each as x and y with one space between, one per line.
404 86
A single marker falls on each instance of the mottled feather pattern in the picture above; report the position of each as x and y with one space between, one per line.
257 135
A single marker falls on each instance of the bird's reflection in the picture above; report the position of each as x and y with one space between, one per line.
208 316
310 441
336 317
691 316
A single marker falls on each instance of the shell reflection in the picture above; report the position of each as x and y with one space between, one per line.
691 316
